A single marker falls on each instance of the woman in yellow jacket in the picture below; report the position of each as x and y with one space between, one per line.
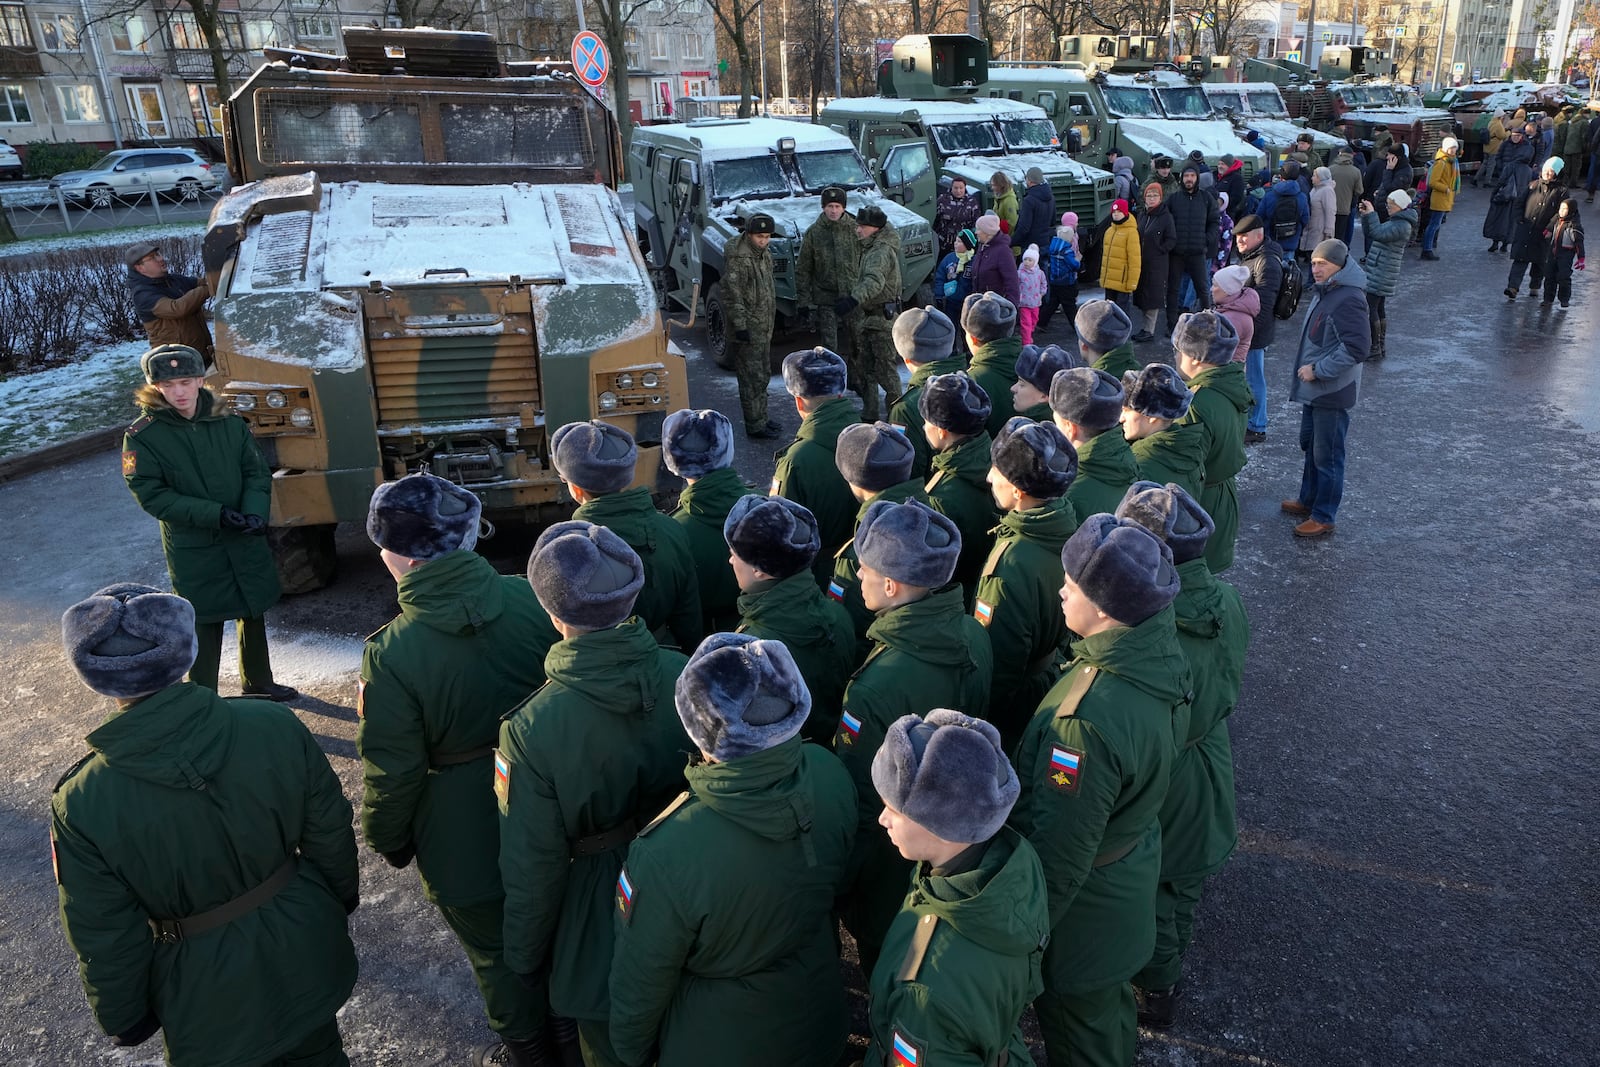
1444 179
1119 257
1491 148
1005 205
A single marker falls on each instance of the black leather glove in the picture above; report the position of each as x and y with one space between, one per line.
742 335
256 525
138 1033
234 520
401 858
845 304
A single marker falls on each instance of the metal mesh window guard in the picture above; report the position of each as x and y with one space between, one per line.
320 126
512 131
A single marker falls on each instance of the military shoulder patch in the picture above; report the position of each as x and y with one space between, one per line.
502 779
130 463
1066 768
836 590
140 423
55 863
361 698
773 489
904 1050
900 426
983 611
934 481
625 895
849 730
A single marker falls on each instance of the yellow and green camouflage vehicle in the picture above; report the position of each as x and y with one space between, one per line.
425 266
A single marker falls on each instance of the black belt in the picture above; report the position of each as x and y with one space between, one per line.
615 837
451 760
172 931
1105 859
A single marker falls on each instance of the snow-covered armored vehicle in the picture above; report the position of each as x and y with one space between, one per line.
1260 106
425 266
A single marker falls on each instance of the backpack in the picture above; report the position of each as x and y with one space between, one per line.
1061 265
1290 291
1285 220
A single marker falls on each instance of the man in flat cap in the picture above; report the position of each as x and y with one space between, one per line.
875 461
1086 406
697 446
1156 400
955 411
874 296
749 304
830 258
170 306
925 338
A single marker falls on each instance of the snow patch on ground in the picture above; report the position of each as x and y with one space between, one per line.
96 238
303 660
48 407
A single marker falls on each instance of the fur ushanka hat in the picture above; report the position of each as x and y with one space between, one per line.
947 773
423 517
130 640
585 575
595 456
739 695
774 535
695 443
874 456
1157 391
1035 457
1169 512
1124 569
909 542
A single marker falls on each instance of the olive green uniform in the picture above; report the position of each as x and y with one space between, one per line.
1118 361
830 255
958 488
905 414
1106 468
702 509
994 366
725 937
877 291
749 304
808 474
466 648
669 603
1221 402
1176 454
818 634
845 585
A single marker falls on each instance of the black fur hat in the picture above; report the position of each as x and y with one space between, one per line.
585 575
1123 568
1171 514
948 774
1035 457
1102 326
955 403
833 195
739 695
910 542
166 362
1087 396
872 215
595 456
815 372
129 640
774 535
874 456
695 443
1157 391
760 223
1206 337
988 317
423 517
922 335
1039 366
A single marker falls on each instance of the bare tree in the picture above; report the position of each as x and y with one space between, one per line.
437 14
737 19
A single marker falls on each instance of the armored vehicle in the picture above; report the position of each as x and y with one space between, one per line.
425 266
1260 106
695 184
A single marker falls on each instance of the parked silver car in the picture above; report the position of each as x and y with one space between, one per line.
132 172
10 162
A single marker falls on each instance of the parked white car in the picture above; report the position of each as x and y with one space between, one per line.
10 162
132 172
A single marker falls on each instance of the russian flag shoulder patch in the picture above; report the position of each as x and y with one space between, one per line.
904 1051
625 895
849 729
836 590
983 611
502 780
1066 768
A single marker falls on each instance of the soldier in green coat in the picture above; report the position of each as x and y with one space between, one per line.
203 853
1104 330
465 649
597 461
989 321
1094 764
955 411
875 461
1167 448
725 937
1019 591
1222 401
697 446
1087 407
582 764
874 296
749 304
771 543
1036 369
830 259
194 466
1198 829
926 653
807 473
961 959
925 339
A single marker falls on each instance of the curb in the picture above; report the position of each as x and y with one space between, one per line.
13 467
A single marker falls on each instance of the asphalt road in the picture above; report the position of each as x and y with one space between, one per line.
1415 880
35 212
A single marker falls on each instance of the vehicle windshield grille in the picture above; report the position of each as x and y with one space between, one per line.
515 131
317 126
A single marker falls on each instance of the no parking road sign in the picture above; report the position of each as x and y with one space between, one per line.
590 60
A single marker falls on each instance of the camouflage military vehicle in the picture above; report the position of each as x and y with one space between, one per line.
1260 106
695 184
425 266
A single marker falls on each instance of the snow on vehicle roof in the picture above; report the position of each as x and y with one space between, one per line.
974 109
1032 74
737 138
979 168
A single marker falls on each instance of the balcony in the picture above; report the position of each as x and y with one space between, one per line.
194 65
20 63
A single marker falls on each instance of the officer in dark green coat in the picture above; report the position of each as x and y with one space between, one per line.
926 653
989 321
955 410
1094 764
875 461
697 446
1198 829
203 853
1166 448
597 461
1222 401
874 296
1104 332
961 959
465 649
829 261
749 304
1019 590
806 471
771 543
1087 407
725 948
194 466
1036 369
925 339
582 764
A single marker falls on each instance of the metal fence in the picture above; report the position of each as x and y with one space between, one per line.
35 210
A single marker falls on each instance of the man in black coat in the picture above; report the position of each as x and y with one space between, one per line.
1196 216
1255 250
1036 215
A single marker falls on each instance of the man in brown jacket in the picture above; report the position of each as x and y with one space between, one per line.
171 306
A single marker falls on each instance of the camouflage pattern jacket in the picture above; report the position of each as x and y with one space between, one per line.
747 295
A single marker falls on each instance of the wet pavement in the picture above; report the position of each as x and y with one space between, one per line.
1415 879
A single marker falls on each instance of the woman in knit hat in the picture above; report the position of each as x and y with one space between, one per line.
1158 235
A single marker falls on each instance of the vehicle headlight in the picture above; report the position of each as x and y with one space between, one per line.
244 401
301 417
276 399
608 401
650 380
624 381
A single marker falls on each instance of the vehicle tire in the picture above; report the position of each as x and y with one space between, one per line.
305 556
717 329
188 190
97 196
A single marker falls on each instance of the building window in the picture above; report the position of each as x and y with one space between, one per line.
632 45
694 87
133 35
79 103
184 31
248 35
14 27
13 105
58 33
315 27
658 44
205 104
694 46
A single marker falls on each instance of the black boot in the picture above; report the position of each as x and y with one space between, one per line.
1380 335
565 1031
1158 1007
535 1052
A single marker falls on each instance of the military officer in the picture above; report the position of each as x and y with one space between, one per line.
925 339
1167 448
876 293
1105 337
807 473
876 462
955 410
1036 369
697 446
1222 401
830 255
749 304
989 321
1086 405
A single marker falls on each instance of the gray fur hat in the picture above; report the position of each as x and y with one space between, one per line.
595 456
955 403
815 372
1157 391
585 575
947 773
988 317
129 640
1102 326
695 443
1087 396
1125 570
739 695
166 362
773 534
1035 457
922 335
874 456
1206 337
909 542
1038 366
423 517
1169 512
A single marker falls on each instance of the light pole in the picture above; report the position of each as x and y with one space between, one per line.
761 38
838 61
783 52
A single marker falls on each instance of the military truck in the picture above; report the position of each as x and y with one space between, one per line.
932 123
695 184
424 265
1260 106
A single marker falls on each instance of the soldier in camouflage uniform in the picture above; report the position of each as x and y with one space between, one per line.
830 253
749 303
877 293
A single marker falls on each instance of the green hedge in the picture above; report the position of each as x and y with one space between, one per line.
46 159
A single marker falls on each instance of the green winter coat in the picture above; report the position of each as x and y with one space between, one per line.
994 366
184 472
1093 783
1019 602
1106 468
808 475
748 300
1118 361
702 509
958 488
467 647
599 750
829 255
188 802
906 415
725 947
669 603
878 278
845 584
980 970
817 632
1222 399
1176 454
